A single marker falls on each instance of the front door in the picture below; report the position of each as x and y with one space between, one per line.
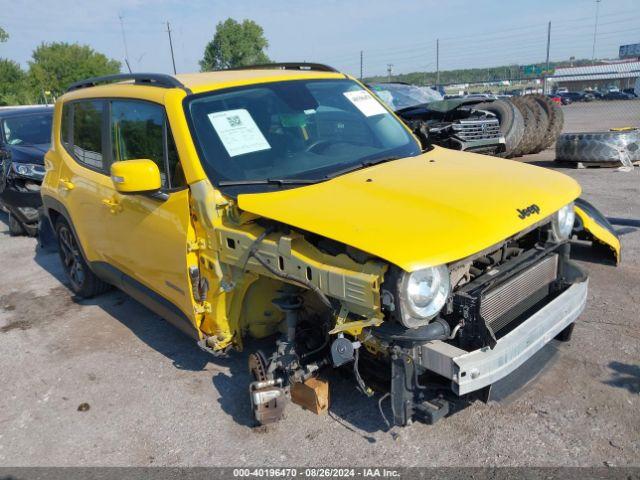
147 234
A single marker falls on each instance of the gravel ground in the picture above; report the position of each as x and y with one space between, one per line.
106 382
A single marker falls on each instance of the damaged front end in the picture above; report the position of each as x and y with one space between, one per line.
591 225
20 193
455 125
498 320
334 306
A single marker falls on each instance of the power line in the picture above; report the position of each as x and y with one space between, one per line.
484 39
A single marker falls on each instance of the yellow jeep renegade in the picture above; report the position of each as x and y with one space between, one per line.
287 201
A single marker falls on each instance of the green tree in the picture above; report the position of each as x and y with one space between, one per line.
57 65
4 36
235 45
12 83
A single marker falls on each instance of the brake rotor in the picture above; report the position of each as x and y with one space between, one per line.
258 366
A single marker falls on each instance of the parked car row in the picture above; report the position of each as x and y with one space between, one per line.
591 95
288 201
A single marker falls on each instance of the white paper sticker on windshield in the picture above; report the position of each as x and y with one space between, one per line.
364 102
238 132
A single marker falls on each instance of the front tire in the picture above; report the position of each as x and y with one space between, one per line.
83 282
565 335
15 227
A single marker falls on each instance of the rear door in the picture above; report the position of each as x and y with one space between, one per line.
84 180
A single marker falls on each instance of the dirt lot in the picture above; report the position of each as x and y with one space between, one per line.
153 398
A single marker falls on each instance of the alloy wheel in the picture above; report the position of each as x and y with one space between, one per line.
71 257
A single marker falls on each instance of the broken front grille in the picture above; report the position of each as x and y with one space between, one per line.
469 130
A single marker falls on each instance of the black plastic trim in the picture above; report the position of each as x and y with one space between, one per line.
149 79
148 297
302 66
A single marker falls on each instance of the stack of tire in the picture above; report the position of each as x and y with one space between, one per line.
529 124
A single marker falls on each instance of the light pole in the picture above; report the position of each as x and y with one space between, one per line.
595 31
124 41
544 77
437 62
173 60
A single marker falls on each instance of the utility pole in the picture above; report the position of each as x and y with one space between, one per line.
595 31
437 62
544 81
389 67
361 53
173 60
124 41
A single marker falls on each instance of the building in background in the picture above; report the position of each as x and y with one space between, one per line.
602 77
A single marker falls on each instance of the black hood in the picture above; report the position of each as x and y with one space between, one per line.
28 153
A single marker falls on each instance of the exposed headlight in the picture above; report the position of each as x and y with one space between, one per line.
29 170
422 294
562 223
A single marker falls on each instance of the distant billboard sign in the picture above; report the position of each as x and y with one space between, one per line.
630 51
535 70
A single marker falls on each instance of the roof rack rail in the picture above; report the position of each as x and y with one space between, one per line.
289 66
152 79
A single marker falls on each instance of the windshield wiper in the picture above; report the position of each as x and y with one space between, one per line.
268 181
303 181
362 165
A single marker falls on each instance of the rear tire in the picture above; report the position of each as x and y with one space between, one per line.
15 227
82 281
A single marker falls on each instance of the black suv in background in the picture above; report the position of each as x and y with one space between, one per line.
25 136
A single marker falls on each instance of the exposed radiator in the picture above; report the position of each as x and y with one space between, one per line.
521 289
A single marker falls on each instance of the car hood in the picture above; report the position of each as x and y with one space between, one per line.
28 153
443 106
435 208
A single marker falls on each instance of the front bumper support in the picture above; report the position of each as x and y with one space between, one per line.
471 371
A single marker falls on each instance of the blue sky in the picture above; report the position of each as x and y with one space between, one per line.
478 33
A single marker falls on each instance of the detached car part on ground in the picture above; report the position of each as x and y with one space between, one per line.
25 136
295 205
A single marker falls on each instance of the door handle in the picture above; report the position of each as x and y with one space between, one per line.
112 204
66 184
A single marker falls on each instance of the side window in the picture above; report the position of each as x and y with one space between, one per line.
65 125
140 130
87 133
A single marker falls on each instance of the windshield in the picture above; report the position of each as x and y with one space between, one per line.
293 130
399 96
28 129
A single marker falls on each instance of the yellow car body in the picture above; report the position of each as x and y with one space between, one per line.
187 252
